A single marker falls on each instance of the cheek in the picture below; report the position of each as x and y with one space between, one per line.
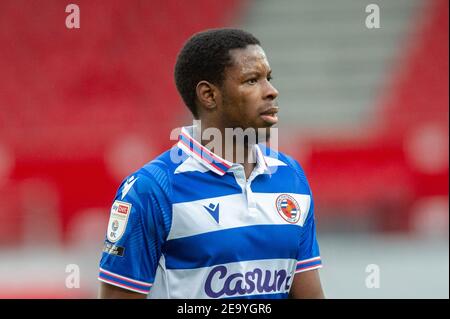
249 106
234 105
241 107
246 101
245 110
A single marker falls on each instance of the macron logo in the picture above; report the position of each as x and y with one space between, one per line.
213 210
127 186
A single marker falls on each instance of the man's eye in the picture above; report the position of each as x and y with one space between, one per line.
269 78
252 81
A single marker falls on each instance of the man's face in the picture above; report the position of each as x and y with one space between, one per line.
248 97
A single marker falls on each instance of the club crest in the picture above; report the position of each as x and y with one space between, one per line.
288 208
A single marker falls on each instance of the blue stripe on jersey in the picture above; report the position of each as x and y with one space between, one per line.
232 245
282 181
191 186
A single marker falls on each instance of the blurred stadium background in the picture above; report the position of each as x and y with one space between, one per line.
365 111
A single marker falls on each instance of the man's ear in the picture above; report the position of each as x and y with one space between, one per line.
206 94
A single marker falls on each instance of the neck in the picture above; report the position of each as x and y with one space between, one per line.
227 145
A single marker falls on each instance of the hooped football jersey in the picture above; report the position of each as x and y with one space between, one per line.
189 224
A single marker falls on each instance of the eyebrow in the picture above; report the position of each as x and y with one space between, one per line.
245 74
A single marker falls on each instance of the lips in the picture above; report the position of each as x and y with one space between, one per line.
270 115
270 111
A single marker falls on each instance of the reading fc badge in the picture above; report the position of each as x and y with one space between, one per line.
118 220
288 208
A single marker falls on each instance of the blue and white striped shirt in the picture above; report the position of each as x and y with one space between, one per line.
200 229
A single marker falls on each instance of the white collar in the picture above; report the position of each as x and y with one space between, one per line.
212 161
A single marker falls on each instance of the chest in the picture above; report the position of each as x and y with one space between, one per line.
235 222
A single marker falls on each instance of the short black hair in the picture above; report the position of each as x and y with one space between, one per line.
204 57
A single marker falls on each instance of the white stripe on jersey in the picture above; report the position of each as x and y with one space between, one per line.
174 280
192 218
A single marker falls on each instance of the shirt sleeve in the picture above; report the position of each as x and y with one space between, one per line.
308 257
134 237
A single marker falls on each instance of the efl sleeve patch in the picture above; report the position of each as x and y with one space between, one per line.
118 219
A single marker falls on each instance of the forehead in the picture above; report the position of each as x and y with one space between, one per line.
248 59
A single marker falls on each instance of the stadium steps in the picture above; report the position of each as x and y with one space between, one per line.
328 67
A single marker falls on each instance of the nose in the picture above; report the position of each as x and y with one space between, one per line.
270 92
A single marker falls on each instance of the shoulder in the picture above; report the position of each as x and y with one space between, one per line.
280 159
156 175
